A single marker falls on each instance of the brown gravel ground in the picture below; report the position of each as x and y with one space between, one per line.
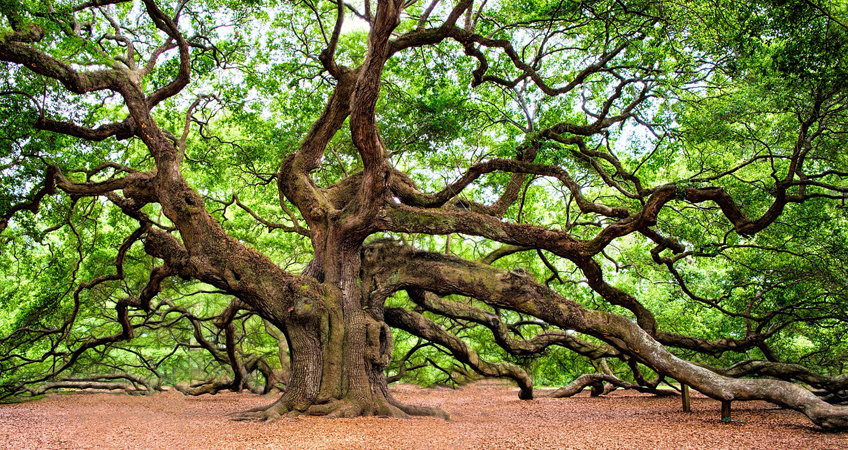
485 415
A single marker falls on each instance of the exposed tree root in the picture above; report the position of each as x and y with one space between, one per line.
338 408
416 410
270 413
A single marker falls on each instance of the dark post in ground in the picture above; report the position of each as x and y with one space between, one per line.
687 401
725 411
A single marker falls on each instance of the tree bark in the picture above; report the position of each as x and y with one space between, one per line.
445 275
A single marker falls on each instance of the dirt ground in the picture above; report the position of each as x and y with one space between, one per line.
485 415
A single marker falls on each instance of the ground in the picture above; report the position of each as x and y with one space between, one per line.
485 415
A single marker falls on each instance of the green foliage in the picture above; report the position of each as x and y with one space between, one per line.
728 82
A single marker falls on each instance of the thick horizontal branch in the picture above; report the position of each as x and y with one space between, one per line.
241 272
86 384
120 130
445 275
401 218
15 48
785 371
134 182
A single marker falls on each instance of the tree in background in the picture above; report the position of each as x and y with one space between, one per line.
651 183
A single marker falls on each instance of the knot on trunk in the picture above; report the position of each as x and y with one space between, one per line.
379 344
140 190
304 308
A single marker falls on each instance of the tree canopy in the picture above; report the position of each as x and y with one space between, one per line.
321 198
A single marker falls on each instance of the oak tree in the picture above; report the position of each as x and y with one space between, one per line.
647 182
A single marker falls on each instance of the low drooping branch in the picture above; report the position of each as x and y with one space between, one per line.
135 384
423 327
592 379
444 274
230 355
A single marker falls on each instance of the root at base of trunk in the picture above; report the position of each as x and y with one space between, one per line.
339 408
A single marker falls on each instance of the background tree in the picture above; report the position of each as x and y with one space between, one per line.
613 178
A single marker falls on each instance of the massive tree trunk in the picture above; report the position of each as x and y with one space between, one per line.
341 346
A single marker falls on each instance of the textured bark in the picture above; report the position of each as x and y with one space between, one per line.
341 347
332 317
784 371
445 275
118 381
79 384
593 379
